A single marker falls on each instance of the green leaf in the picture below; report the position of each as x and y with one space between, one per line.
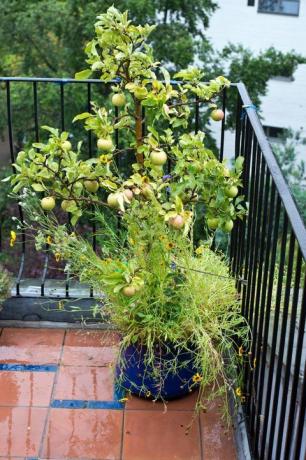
83 75
51 130
38 187
6 179
81 116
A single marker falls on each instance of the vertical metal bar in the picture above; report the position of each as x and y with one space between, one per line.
296 375
11 144
281 348
36 129
234 235
89 137
266 412
222 125
62 101
62 126
245 190
36 122
301 419
293 316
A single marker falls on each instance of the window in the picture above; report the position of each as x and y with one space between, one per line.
274 133
290 7
251 2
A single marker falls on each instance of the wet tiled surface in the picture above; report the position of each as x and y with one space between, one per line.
57 401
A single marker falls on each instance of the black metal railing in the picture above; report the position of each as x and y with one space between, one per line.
268 250
267 253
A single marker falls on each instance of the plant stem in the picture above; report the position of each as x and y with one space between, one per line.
138 129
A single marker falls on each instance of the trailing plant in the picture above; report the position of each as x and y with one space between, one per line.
157 288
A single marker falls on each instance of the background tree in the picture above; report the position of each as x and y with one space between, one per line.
293 170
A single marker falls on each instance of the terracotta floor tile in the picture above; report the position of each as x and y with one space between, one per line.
21 430
89 356
32 337
90 348
79 338
186 403
37 355
75 433
151 435
88 383
217 441
25 388
30 346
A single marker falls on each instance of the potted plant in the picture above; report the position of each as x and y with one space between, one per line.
175 304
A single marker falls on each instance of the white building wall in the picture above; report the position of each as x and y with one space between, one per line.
284 106
236 22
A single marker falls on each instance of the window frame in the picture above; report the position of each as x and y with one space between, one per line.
295 15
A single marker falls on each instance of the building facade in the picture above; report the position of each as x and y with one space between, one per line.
258 25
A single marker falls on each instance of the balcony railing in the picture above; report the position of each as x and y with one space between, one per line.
267 254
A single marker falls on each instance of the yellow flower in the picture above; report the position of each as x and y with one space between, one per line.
104 159
238 392
58 256
197 378
170 245
49 239
199 251
240 351
13 238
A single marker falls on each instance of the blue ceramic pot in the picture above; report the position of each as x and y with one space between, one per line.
138 378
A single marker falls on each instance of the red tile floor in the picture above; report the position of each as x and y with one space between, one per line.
46 378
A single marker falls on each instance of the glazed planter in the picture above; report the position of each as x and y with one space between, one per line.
135 376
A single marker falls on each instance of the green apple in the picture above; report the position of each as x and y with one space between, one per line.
232 191
213 223
228 226
112 200
129 291
140 92
158 157
177 222
65 204
147 191
118 100
128 194
91 186
47 203
104 144
217 115
66 145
